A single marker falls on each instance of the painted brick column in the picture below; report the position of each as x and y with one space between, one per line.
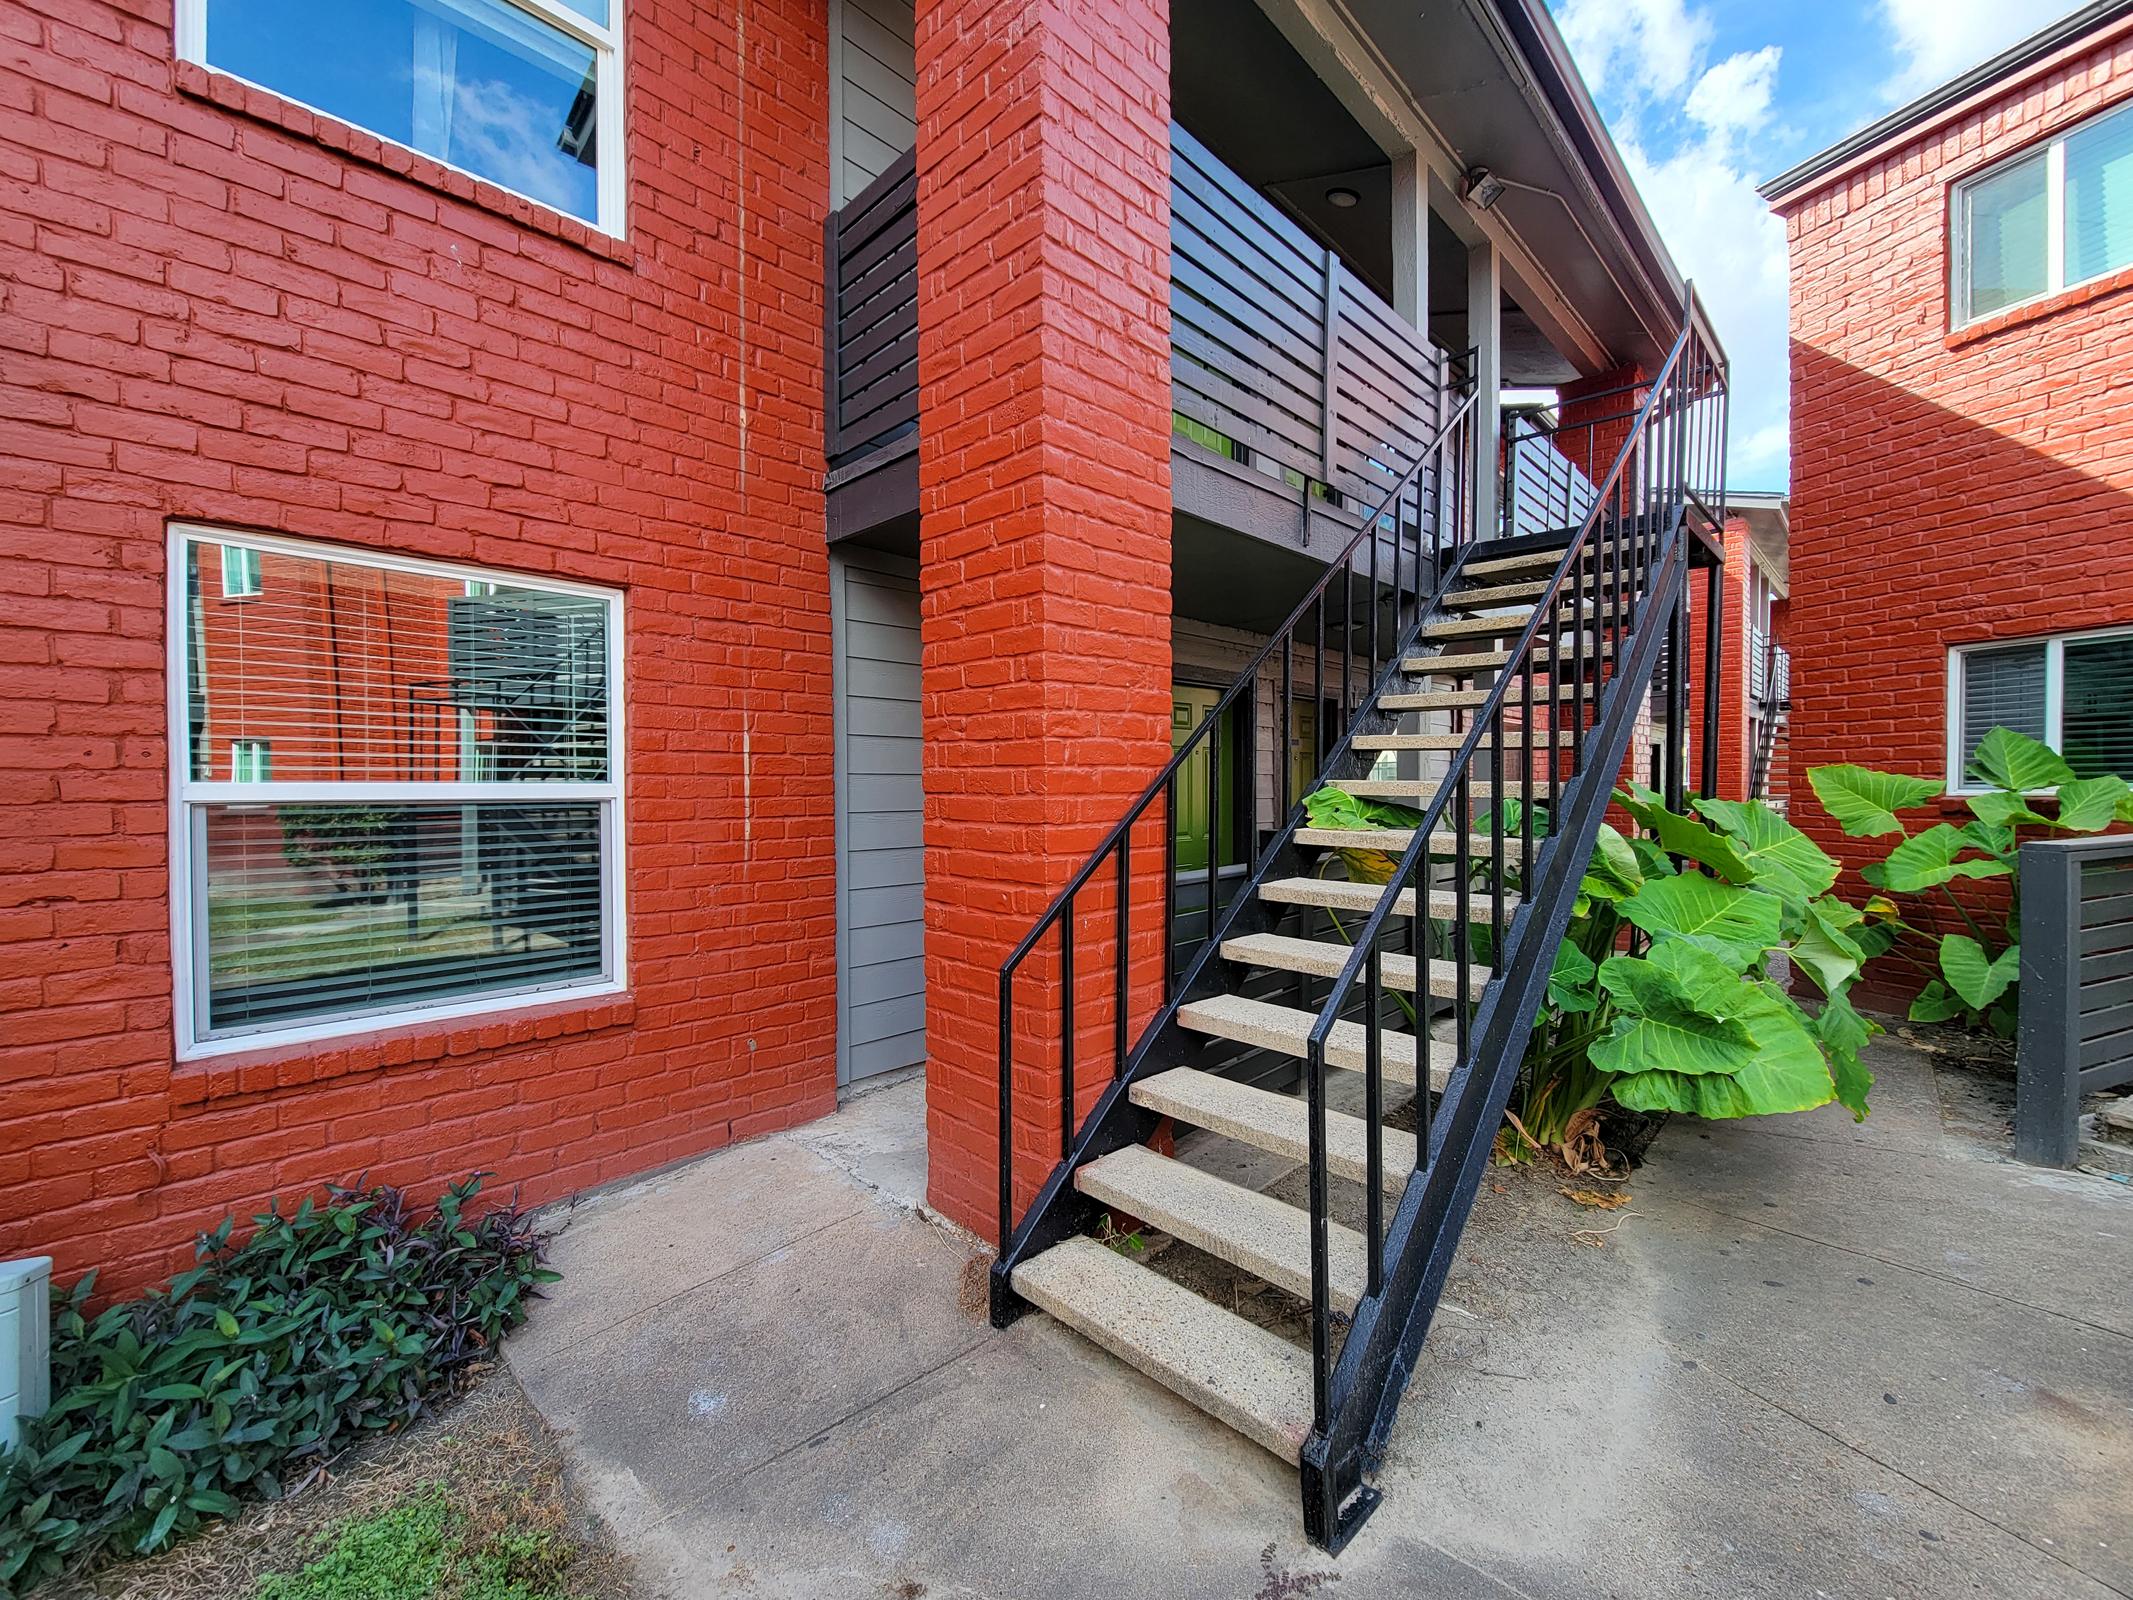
1044 543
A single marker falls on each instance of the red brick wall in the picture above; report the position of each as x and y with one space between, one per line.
1947 488
214 307
1044 486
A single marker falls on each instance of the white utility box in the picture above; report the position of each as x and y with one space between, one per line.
25 1341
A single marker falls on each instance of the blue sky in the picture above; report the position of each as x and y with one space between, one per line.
1708 98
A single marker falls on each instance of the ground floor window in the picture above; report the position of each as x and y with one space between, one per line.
396 790
2074 693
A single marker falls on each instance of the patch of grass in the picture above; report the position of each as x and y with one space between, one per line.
426 1548
400 1553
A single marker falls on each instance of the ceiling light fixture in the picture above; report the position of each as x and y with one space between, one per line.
1343 199
1483 187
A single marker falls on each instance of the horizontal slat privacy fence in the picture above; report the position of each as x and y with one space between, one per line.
1276 346
2076 1033
871 247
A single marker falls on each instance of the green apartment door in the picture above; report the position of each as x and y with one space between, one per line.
1189 705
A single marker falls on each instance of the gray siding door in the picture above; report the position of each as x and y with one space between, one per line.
881 958
873 89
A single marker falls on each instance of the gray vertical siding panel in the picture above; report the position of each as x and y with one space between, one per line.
874 93
880 860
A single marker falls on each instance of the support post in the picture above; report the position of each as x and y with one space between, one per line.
1484 324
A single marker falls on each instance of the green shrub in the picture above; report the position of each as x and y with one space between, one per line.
236 1380
1970 976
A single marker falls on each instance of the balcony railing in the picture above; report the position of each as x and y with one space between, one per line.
1281 359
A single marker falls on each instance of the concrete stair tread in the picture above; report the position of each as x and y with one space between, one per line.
1485 627
1267 1026
1413 789
1458 699
1237 1372
1276 1123
1268 1238
1498 594
1394 841
1512 740
1323 958
1338 894
1529 561
1489 660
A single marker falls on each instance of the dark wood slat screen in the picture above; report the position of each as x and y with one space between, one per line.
1274 343
2076 1027
1278 347
871 310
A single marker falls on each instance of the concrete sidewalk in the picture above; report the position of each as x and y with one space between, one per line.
1811 1358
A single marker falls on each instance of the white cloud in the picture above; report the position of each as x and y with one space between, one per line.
1684 125
1639 49
1734 96
1938 39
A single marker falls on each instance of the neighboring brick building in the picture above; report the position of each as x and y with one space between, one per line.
576 571
1962 433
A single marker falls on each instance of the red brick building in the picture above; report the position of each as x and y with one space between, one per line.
1962 437
578 572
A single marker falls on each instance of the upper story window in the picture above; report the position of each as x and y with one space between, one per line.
2074 693
395 792
2052 219
524 93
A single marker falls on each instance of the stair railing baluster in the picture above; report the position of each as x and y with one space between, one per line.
1419 940
1122 978
1321 1283
1462 895
1066 1031
1170 888
1496 802
1374 1111
1287 759
1007 1106
1214 824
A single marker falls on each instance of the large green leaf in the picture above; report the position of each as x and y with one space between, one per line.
1979 979
1677 1013
2002 808
1736 924
1570 981
1613 873
1864 802
1336 808
1782 858
1783 1069
1936 1002
2089 805
1926 860
1825 948
1844 1034
2009 760
1685 836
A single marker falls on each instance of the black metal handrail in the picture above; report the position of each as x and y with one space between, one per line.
1667 466
1447 453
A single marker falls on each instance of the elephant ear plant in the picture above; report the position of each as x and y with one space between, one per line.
1660 996
1971 974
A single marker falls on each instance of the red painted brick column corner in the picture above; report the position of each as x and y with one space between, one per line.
1044 488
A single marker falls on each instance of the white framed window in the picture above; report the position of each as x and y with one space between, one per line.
2052 218
2073 692
396 793
240 572
251 760
526 94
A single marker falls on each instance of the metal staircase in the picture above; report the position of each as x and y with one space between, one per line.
1773 710
1480 672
